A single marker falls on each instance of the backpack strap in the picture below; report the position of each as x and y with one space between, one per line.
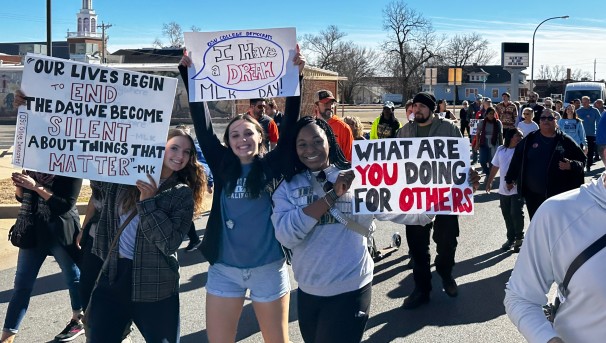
578 262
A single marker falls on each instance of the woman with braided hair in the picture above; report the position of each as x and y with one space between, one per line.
313 217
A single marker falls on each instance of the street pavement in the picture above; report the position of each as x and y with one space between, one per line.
476 315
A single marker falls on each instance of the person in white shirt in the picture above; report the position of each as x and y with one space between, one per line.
563 227
510 201
527 125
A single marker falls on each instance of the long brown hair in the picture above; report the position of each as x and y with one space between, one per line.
192 175
231 167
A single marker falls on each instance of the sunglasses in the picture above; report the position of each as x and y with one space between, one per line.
550 118
326 185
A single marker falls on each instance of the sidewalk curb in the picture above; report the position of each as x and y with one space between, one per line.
11 211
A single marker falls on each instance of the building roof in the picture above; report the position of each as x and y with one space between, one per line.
150 55
495 73
60 48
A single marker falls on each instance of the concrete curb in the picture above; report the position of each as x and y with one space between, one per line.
11 211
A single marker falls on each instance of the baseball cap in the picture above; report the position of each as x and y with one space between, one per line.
479 97
324 96
389 104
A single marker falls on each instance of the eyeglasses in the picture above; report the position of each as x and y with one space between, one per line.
550 118
321 178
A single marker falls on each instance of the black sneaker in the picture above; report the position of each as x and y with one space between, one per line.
74 329
507 245
450 287
193 245
415 299
517 245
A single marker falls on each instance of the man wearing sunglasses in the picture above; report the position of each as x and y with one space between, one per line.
545 163
257 111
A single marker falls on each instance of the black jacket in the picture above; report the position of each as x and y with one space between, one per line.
558 181
215 153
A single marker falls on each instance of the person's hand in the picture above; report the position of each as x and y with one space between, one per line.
509 186
78 239
488 186
24 181
19 99
585 150
147 190
299 60
343 182
564 165
474 179
185 60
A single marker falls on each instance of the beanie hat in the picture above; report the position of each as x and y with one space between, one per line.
426 99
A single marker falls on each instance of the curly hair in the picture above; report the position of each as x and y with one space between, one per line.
357 128
335 155
231 168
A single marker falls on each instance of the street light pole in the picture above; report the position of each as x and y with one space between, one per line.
533 34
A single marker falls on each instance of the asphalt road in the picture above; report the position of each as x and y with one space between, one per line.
477 315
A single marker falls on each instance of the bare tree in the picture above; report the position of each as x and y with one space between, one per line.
174 33
558 73
195 28
327 46
358 63
410 44
467 49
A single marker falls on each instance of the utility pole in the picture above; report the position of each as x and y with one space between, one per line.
594 68
103 26
49 39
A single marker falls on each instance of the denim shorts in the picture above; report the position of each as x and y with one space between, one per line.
266 283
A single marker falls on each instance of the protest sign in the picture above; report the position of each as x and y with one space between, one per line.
88 121
242 64
412 175
473 126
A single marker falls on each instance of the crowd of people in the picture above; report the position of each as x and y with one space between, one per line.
281 194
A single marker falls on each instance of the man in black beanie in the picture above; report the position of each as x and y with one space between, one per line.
445 227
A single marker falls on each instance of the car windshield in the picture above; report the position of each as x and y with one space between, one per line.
578 94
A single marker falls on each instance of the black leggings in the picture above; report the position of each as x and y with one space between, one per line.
338 318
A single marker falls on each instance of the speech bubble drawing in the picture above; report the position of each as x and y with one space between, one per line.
243 63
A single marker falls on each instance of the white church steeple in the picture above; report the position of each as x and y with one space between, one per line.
87 20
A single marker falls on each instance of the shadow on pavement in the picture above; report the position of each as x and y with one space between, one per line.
442 310
45 284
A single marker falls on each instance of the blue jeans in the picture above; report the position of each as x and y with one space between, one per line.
485 159
111 310
28 266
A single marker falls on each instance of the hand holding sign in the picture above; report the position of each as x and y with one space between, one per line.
147 190
343 182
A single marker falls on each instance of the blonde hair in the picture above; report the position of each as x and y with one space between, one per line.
357 128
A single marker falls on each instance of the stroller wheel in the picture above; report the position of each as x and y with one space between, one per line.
396 240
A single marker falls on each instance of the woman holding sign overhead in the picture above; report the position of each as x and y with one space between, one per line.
313 217
139 231
240 243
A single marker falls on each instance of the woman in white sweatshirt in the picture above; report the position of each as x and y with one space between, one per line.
330 261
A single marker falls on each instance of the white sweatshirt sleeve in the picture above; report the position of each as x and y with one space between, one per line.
290 223
530 281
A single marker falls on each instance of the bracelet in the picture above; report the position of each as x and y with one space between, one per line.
327 202
333 195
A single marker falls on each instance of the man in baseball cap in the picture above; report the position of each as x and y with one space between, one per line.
324 107
385 125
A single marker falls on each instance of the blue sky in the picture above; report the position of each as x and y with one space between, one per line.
574 43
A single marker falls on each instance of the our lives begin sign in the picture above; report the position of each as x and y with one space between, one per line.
242 64
93 122
412 175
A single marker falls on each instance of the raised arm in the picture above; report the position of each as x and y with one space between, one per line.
200 114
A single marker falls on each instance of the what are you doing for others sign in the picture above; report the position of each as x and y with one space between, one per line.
88 121
242 64
412 175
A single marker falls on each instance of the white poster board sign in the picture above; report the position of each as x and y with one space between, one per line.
87 121
242 64
473 126
412 175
